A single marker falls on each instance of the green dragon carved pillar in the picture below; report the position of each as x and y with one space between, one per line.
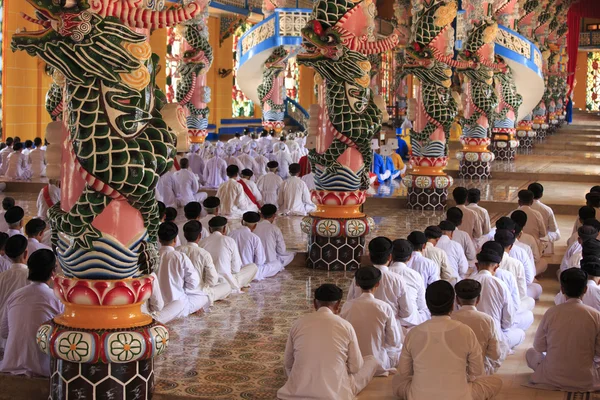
271 91
429 57
116 144
336 46
479 95
193 92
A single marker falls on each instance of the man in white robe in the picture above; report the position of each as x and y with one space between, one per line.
495 298
25 311
16 277
294 197
246 176
270 184
5 262
584 213
18 164
493 349
456 254
234 202
567 342
192 212
272 238
454 215
196 161
4 153
441 358
247 161
526 250
35 230
471 222
166 188
473 199
261 162
309 179
283 158
14 219
373 320
552 231
178 279
429 270
535 225
211 207
37 160
226 256
433 234
187 185
322 357
216 288
585 233
215 169
591 265
415 288
251 247
49 196
7 203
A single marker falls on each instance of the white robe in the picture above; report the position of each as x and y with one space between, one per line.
261 165
37 160
18 167
284 159
234 202
166 189
309 179
254 189
215 172
456 256
253 252
273 243
196 164
4 153
187 186
42 204
294 197
323 360
377 331
248 162
415 289
11 281
34 245
269 185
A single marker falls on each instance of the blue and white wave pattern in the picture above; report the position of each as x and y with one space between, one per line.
342 179
504 123
108 259
272 115
476 131
197 123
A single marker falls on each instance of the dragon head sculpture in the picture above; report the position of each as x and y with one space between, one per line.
199 57
277 59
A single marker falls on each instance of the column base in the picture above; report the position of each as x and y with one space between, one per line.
129 381
475 169
526 140
503 151
426 192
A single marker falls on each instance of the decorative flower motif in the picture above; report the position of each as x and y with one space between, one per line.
73 347
328 228
355 227
423 182
125 347
445 14
161 339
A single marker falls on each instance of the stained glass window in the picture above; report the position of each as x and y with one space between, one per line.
174 49
240 104
592 101
386 76
292 79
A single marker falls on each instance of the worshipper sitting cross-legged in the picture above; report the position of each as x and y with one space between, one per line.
471 222
251 247
14 218
455 216
392 288
15 277
493 349
374 322
473 198
210 283
18 165
402 252
5 262
35 230
226 256
527 251
585 232
272 238
507 239
192 212
7 202
166 188
178 279
234 202
535 225
187 184
552 231
496 300
433 234
25 310
429 270
294 197
441 358
591 265
270 184
456 255
322 356
250 187
584 213
565 347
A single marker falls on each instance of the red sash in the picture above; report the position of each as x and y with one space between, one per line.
176 164
248 192
47 198
304 166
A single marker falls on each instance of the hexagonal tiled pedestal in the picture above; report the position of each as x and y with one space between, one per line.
339 253
526 144
427 199
505 153
128 381
475 169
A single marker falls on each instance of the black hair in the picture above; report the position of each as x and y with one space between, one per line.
161 209
232 171
192 210
460 195
18 146
7 203
170 214
379 258
573 282
454 215
525 196
184 163
37 141
474 195
34 227
537 189
595 189
192 230
3 239
9 141
584 213
28 144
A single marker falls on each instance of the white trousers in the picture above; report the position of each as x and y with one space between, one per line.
182 308
534 290
527 304
286 259
246 274
362 378
482 388
513 337
523 319
220 291
268 270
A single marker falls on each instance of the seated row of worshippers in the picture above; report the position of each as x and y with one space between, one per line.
239 193
22 161
210 265
442 342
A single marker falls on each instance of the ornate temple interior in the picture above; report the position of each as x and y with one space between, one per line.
300 199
